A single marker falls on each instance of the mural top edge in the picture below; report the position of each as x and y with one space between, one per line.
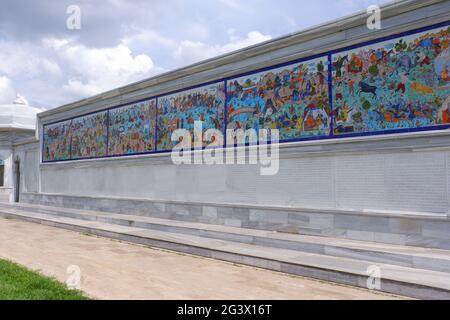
399 83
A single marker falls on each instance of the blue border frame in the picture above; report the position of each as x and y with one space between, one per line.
305 59
331 136
107 123
187 89
379 40
135 153
330 93
44 135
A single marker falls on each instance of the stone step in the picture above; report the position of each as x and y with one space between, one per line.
413 282
407 256
426 230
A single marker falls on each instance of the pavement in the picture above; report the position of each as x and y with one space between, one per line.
110 269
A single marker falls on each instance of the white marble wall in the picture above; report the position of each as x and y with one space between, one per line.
394 174
407 173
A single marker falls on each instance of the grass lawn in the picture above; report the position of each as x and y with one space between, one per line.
18 283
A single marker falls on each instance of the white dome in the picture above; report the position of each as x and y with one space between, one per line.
18 115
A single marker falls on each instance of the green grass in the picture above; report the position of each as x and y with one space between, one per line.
19 283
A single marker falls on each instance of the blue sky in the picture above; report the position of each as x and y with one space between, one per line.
122 41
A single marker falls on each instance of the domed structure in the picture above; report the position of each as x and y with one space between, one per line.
18 115
17 126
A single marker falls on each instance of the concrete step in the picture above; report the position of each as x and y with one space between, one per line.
407 256
392 227
413 282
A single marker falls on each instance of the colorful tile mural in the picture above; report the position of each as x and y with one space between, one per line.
403 83
181 110
132 128
56 142
397 84
89 137
293 99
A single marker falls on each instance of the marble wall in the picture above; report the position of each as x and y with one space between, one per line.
382 174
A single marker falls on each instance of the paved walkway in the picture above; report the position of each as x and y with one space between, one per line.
116 270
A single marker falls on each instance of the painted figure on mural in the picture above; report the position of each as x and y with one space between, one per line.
181 111
132 128
397 84
293 99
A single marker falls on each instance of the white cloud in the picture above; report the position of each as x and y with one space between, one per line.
237 5
51 67
197 31
16 59
97 63
190 52
124 41
7 91
138 36
92 70
81 89
62 70
27 62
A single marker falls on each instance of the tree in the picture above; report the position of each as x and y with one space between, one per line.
366 105
373 70
320 66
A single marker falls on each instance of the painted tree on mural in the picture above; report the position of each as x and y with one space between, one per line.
402 83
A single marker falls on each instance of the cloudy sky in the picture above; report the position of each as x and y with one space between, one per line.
122 41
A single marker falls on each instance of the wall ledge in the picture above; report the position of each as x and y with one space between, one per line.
438 140
342 211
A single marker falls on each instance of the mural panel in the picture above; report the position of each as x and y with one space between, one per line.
132 128
56 142
89 136
397 84
181 110
403 83
293 99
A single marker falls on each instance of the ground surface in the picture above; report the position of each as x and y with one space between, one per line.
115 270
18 283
